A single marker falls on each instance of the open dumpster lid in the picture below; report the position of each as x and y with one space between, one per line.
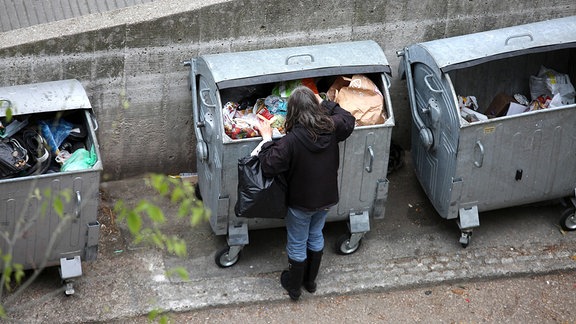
472 49
273 65
43 97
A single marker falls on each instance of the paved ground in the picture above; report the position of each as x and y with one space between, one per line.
528 299
411 248
519 266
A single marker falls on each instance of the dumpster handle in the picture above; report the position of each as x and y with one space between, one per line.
478 162
2 101
426 136
519 36
387 79
203 100
94 122
201 147
370 155
429 85
78 203
297 55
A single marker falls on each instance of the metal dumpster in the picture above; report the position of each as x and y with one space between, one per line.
219 78
469 167
43 238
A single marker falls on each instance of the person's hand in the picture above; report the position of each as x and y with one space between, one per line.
264 128
318 98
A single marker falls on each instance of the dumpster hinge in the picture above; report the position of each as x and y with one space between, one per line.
237 234
70 269
359 225
467 221
359 222
469 217
381 198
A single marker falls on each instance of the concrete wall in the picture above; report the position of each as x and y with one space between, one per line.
129 60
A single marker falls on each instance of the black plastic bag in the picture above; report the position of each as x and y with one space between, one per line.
259 196
13 158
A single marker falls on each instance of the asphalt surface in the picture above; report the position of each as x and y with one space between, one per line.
410 248
527 299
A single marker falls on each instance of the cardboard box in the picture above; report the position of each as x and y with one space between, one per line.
499 105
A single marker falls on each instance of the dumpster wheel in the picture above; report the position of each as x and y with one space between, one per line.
344 247
223 259
465 237
68 286
197 192
568 219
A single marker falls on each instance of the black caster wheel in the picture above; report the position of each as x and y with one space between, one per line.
465 238
197 192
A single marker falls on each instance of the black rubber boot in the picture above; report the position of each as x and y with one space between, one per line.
291 279
311 272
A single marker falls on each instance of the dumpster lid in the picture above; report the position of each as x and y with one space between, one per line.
43 97
273 65
472 49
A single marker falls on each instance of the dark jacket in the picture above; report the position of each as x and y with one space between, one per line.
310 167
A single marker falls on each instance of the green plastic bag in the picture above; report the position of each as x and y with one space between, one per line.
81 159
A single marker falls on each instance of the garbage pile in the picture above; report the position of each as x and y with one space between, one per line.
32 146
548 89
356 93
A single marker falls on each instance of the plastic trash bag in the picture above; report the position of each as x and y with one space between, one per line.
13 158
239 123
79 160
548 82
55 133
259 196
276 105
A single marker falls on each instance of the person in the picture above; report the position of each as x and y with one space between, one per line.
308 156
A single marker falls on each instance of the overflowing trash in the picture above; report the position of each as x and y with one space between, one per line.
548 89
241 122
30 145
356 93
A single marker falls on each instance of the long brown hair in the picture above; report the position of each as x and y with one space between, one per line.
304 109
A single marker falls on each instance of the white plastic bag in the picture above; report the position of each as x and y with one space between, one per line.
549 83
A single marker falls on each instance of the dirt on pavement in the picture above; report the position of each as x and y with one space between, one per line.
531 299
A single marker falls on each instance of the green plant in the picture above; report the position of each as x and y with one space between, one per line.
144 222
180 193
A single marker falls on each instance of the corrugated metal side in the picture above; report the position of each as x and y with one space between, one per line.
26 13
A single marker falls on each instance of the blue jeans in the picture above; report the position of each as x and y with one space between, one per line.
304 232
